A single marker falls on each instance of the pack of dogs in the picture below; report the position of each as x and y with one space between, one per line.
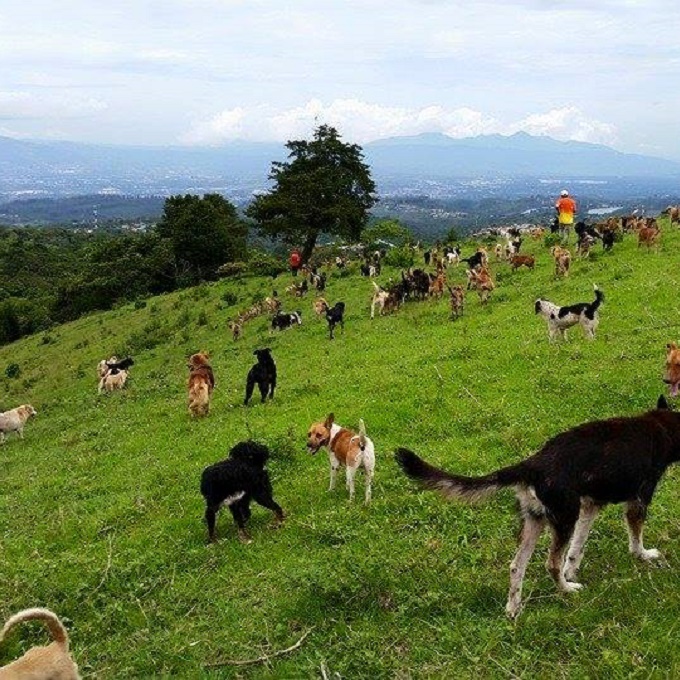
562 487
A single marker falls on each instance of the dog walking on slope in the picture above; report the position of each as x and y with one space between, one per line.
566 483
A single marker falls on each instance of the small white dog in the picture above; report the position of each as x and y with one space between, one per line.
561 318
344 448
380 298
14 420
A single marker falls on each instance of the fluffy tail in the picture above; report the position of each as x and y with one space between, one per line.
454 486
376 286
599 298
55 626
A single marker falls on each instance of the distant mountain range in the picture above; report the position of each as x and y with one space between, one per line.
66 167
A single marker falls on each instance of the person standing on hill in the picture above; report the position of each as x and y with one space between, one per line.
566 209
295 261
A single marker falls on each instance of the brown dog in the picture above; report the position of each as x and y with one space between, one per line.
52 662
457 300
201 384
518 261
672 376
344 448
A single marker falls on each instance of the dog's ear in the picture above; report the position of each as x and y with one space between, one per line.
662 404
671 346
257 352
330 419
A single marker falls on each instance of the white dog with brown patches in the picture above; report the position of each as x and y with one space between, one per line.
14 420
344 448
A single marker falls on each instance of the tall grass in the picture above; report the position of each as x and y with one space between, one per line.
101 517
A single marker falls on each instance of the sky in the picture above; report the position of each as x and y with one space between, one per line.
207 72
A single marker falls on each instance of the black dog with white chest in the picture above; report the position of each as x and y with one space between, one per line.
236 481
335 316
262 374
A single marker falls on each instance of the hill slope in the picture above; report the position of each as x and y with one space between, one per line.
101 518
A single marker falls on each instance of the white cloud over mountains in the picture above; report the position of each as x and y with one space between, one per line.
360 121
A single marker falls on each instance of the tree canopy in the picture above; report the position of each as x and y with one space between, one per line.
324 187
205 233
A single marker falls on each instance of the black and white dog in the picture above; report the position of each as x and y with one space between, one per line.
561 318
282 320
335 316
262 374
565 484
120 365
236 481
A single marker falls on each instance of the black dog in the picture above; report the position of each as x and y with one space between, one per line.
474 260
120 365
565 484
608 238
282 320
334 316
262 374
236 481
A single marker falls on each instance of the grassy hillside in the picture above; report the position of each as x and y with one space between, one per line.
101 517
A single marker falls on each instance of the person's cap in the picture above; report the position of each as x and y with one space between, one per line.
564 192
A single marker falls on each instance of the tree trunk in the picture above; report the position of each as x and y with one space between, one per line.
308 248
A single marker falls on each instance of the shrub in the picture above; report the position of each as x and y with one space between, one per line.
230 298
263 264
140 304
231 269
202 319
551 240
150 336
399 257
13 370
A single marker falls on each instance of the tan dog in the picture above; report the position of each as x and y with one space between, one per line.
236 329
201 384
380 298
113 381
498 251
672 376
649 236
14 420
102 367
457 300
320 306
344 448
480 278
562 259
52 662
518 261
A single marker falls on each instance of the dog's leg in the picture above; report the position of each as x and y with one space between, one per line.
210 518
369 466
240 518
636 512
262 385
334 470
589 512
264 498
250 386
531 531
562 527
372 309
350 472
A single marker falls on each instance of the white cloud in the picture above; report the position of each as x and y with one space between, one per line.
16 105
361 122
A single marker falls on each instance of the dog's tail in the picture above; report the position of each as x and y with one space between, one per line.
54 625
362 434
376 286
599 298
455 486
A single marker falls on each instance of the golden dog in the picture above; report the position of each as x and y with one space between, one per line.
52 662
201 384
14 420
672 376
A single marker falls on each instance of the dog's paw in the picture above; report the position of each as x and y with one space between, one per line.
571 587
649 555
513 609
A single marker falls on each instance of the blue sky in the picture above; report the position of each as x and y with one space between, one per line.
203 72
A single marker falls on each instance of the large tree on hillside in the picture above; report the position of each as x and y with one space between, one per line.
204 233
324 187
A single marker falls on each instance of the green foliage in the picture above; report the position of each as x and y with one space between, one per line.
550 240
400 257
230 298
325 188
13 370
264 264
204 233
388 230
452 236
231 269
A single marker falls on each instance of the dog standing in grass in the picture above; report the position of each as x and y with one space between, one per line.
201 384
344 448
52 662
565 485
234 482
14 420
262 374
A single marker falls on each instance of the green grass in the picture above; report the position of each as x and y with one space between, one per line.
101 516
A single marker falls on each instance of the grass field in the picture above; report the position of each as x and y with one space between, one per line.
101 516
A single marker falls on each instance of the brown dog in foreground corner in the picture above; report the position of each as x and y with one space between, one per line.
52 662
201 384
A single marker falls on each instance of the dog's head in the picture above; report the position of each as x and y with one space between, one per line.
672 372
198 360
126 363
319 434
26 411
250 452
263 355
538 306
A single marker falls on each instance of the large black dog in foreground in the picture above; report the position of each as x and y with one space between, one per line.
236 481
566 483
